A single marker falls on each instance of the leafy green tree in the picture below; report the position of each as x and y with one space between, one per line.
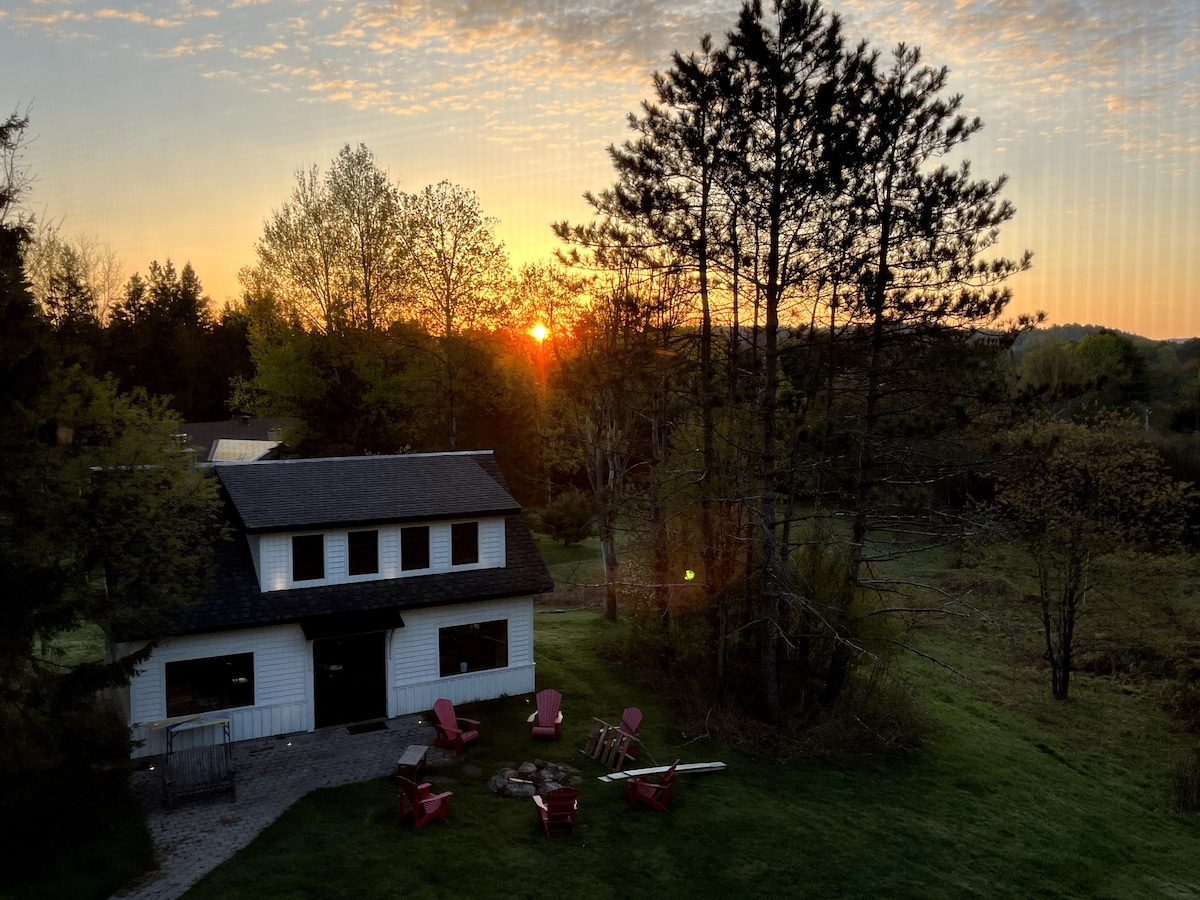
1186 416
614 391
802 182
103 522
70 305
107 529
356 391
927 292
159 338
568 518
50 257
796 82
1052 372
459 277
667 197
1073 494
69 301
458 282
371 287
1114 368
334 254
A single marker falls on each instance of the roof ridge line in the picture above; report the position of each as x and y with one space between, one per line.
310 459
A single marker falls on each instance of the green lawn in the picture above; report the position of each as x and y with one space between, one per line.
1009 799
576 571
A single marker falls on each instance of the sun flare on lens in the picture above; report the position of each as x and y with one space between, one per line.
539 332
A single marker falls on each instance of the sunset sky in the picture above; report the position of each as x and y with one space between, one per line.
171 129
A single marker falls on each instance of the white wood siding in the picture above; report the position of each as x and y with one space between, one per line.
389 552
337 558
274 555
414 656
282 685
276 551
491 544
439 548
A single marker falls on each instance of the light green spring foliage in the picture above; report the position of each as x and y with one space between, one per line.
1074 493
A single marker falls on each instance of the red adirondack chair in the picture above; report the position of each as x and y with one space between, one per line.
546 721
557 812
656 795
631 720
418 805
450 732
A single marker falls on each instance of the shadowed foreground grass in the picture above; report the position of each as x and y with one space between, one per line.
989 808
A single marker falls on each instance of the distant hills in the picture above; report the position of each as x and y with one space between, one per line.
1076 332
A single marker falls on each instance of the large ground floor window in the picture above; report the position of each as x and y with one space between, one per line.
474 647
215 682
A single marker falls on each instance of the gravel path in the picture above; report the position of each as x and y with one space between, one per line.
272 773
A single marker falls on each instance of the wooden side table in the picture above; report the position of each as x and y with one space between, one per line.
411 762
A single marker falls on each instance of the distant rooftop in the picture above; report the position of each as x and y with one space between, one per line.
229 450
204 436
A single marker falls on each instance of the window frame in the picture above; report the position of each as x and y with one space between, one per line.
467 645
462 547
238 691
373 554
298 558
404 556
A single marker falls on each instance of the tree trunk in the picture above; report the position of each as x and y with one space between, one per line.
769 557
864 476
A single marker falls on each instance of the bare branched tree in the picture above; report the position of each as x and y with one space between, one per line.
15 177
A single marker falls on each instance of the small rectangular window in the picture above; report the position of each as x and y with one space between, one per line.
203 685
308 557
364 552
414 548
464 543
471 648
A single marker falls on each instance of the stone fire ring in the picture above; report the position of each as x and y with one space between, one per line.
535 777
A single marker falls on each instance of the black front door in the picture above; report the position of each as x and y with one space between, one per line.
349 675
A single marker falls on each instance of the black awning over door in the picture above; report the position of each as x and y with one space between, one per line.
346 623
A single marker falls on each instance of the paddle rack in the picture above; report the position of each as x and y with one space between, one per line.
608 744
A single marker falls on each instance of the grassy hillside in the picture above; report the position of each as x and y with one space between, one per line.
1013 796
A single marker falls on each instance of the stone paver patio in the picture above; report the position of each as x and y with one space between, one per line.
272 773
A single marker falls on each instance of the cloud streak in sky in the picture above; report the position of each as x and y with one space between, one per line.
1093 106
1056 60
1104 57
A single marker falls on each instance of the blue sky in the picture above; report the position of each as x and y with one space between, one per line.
171 129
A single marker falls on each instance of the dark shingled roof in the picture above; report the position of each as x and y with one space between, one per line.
236 601
291 494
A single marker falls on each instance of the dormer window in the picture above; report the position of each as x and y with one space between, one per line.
414 548
308 557
364 552
464 543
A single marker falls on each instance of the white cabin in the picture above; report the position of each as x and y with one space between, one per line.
356 588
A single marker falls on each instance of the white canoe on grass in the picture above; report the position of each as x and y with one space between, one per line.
659 770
